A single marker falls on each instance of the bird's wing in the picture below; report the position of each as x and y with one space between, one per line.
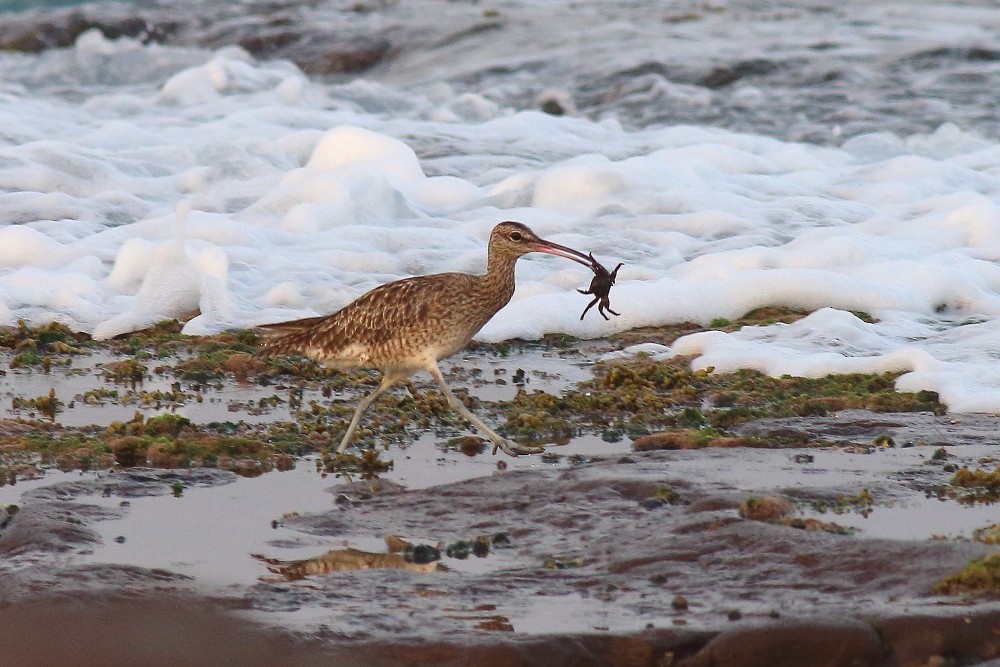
386 315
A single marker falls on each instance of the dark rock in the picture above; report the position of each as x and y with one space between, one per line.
938 55
923 640
481 547
422 554
721 77
50 528
863 426
552 107
94 632
330 54
839 643
37 31
781 432
269 42
473 31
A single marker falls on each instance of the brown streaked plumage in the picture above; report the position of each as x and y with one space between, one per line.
409 325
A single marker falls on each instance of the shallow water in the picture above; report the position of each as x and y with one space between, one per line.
211 533
917 518
486 377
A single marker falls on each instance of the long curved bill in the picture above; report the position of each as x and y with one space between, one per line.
561 251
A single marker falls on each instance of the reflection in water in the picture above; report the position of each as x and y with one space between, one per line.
338 560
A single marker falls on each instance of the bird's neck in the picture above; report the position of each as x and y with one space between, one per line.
499 279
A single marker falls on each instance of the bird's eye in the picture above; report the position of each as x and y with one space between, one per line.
515 236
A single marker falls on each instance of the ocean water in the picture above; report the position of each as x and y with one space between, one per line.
144 181
15 6
26 5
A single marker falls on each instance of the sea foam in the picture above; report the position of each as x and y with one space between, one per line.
303 195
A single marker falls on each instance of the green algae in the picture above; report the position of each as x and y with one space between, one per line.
632 398
479 546
977 479
974 485
640 396
127 371
660 497
33 344
165 441
48 406
667 334
987 534
862 503
368 465
980 577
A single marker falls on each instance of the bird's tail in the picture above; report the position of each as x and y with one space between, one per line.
286 337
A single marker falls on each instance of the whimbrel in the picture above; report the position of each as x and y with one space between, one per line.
410 325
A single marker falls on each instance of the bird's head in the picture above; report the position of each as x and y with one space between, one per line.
514 239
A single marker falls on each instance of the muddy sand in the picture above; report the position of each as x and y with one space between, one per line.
836 545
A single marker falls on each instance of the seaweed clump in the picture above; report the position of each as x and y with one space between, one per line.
978 577
369 465
978 485
48 406
684 408
33 346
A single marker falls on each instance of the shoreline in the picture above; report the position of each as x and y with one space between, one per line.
739 531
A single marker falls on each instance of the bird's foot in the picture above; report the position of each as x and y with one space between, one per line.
511 448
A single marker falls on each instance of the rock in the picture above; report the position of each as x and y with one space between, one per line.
156 633
37 31
836 643
422 554
329 54
919 640
721 77
269 42
50 528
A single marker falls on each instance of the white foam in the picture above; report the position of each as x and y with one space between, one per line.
306 194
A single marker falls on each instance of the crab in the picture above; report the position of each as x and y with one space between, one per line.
600 287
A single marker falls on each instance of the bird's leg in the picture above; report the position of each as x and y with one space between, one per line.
510 448
363 405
